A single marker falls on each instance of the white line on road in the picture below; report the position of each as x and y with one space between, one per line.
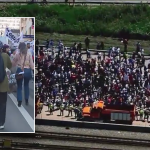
24 113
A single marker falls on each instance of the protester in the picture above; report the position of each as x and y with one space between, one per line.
6 49
5 62
12 56
87 43
36 46
23 60
30 49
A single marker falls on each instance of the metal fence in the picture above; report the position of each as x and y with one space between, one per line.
90 2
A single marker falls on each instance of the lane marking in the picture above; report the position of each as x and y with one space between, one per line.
24 113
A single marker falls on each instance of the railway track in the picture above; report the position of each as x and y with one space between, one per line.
86 138
27 146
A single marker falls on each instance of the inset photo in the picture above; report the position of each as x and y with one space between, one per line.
17 113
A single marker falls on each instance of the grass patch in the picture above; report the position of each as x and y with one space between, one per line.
68 40
101 23
129 21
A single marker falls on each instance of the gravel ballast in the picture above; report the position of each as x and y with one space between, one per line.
110 133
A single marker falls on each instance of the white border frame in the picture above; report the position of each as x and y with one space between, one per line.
11 95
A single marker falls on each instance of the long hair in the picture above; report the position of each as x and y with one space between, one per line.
22 48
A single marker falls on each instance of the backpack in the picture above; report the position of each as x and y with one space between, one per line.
2 69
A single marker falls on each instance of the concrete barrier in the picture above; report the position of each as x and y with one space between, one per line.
92 125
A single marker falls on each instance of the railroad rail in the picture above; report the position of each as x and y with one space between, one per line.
26 146
87 138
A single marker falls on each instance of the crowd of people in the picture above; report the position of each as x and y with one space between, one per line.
13 61
71 80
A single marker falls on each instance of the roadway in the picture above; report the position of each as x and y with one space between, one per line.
20 119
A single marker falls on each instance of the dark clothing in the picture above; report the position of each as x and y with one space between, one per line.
3 102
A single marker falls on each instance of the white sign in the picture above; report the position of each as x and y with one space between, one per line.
12 37
3 39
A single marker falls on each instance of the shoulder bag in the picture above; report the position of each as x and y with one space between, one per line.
21 76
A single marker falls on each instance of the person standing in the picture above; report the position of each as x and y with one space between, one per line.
31 50
87 43
61 110
6 49
13 51
37 46
4 85
23 59
125 43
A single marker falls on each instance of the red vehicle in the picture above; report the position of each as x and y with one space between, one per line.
124 114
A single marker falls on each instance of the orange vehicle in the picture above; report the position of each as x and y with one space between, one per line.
107 113
94 111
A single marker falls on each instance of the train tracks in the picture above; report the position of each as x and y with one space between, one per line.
87 138
27 146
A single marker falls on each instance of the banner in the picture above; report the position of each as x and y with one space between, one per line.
28 36
12 37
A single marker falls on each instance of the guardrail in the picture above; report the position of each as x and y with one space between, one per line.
79 2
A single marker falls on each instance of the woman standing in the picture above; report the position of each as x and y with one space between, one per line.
23 60
4 86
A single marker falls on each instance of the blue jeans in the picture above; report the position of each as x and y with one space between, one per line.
27 77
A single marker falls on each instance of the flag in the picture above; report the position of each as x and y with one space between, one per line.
12 37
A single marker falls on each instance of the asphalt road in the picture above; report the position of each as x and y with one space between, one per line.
20 119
